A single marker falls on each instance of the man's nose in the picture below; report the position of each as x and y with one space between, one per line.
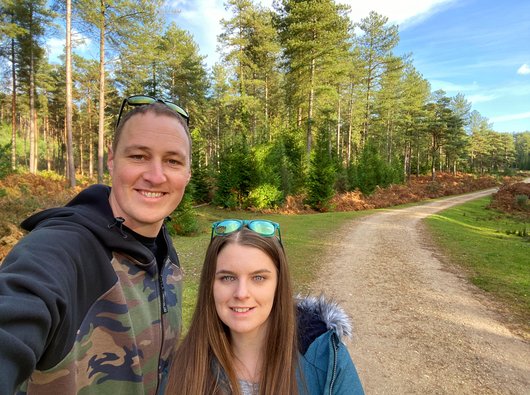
155 172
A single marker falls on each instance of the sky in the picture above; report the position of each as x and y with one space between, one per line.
479 48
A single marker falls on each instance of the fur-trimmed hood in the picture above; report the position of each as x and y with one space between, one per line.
317 315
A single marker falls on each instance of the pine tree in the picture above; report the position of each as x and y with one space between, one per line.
315 36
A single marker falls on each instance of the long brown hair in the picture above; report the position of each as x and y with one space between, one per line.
204 361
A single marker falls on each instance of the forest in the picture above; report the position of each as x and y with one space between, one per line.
303 102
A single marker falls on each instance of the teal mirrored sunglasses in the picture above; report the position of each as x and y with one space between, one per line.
142 100
262 227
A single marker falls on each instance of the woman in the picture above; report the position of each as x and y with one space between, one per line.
243 337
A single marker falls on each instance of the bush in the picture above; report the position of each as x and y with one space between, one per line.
5 160
373 171
183 221
264 196
522 200
322 176
237 176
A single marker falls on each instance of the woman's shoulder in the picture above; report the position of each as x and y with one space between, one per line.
317 315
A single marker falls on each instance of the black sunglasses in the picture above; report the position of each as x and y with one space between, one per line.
142 100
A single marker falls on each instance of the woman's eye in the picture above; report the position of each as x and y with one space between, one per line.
228 278
259 278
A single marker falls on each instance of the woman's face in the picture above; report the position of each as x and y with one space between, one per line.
244 288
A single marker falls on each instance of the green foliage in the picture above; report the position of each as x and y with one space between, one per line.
51 175
519 232
264 196
372 171
279 164
322 174
237 176
5 160
183 220
286 73
200 182
522 200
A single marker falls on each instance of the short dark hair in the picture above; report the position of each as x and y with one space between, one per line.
157 108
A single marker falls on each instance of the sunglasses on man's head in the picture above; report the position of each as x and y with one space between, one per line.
142 100
262 227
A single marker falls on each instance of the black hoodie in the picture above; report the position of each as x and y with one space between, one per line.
82 303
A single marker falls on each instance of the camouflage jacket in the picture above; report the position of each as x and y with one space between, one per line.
84 307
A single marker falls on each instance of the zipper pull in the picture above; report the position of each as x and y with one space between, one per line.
162 294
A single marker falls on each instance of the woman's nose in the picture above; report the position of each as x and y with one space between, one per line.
241 291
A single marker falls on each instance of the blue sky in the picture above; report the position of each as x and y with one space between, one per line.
480 48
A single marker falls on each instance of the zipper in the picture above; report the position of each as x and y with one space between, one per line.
162 294
164 309
334 372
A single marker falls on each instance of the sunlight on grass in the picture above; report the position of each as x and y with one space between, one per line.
483 242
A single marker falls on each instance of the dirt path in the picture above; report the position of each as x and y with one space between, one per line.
419 329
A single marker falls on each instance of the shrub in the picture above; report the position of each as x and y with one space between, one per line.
521 200
322 176
237 175
183 221
264 196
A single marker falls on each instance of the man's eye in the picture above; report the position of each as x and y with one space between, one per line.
174 162
137 157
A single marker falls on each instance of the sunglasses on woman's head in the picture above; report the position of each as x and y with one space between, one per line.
262 227
142 100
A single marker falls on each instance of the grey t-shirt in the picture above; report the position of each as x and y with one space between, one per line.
248 388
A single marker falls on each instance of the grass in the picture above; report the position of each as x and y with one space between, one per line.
305 237
492 247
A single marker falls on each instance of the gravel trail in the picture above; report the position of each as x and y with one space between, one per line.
419 328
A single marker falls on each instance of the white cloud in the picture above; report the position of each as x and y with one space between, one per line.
202 17
450 87
524 69
481 98
399 12
55 46
511 117
80 42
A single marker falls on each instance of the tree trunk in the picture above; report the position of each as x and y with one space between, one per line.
47 143
101 129
32 131
69 137
350 122
339 121
309 138
13 109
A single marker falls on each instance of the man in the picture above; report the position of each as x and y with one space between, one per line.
90 299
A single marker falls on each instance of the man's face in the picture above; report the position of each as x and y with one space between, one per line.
150 168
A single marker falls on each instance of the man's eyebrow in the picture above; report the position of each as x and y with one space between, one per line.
145 148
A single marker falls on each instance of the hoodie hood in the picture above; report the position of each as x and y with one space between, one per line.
317 315
90 209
